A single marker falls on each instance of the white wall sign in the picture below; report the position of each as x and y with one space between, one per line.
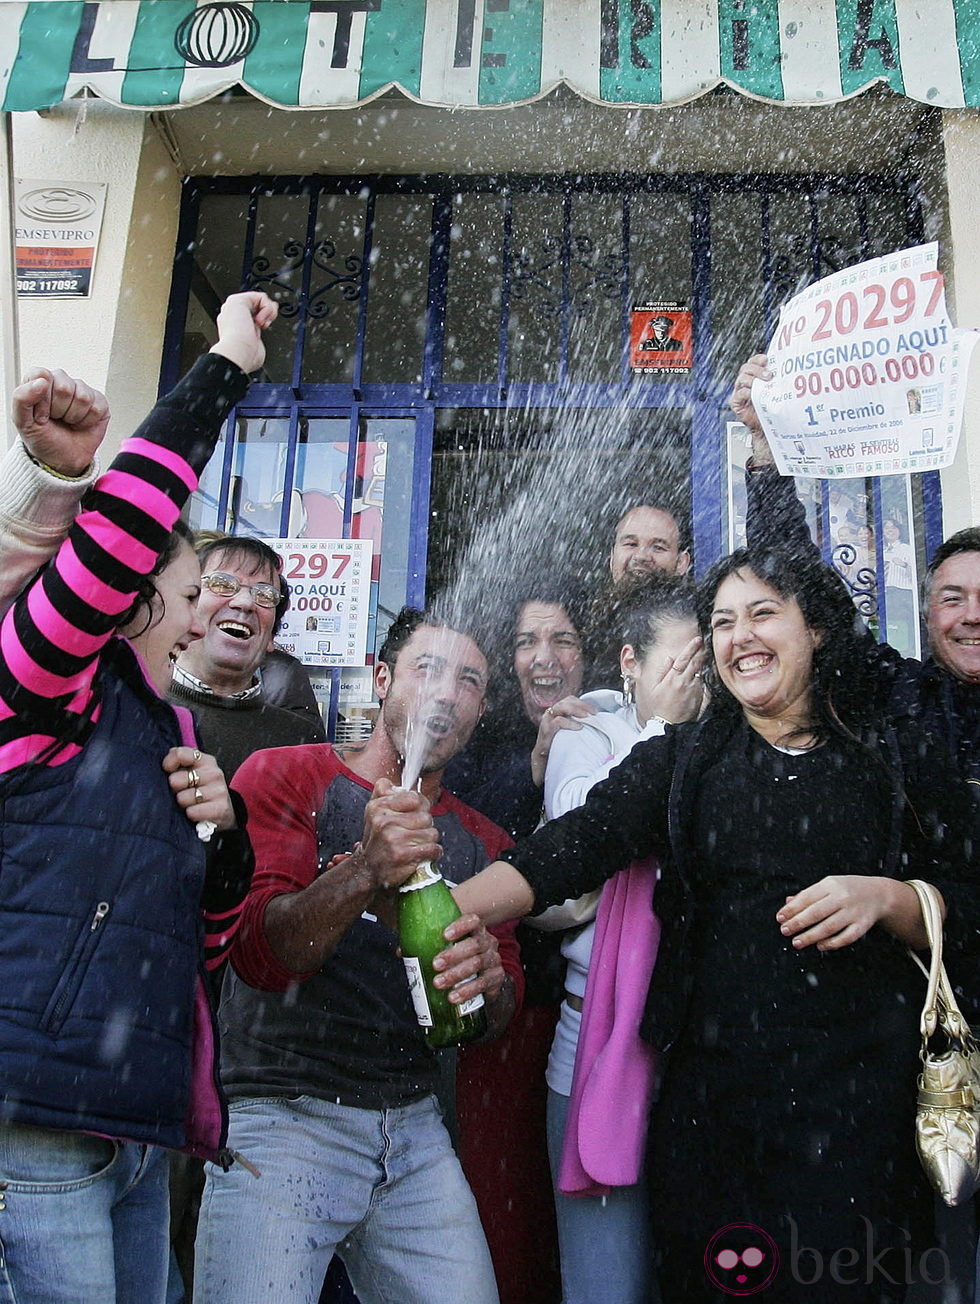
330 587
56 232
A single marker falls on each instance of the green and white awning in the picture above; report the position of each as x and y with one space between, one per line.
486 53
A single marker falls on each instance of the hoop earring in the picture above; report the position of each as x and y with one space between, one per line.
628 694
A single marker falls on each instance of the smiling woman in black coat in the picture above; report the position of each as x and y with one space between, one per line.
782 1156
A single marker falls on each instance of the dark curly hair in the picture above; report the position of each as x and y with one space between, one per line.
409 619
841 696
146 591
553 590
637 611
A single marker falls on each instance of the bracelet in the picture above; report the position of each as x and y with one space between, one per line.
58 475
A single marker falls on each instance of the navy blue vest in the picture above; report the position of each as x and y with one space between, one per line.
100 928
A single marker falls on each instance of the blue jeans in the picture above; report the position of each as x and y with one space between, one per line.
83 1220
381 1187
604 1241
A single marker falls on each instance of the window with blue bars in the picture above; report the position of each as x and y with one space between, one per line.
442 337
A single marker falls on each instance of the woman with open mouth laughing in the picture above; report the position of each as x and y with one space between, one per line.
501 774
782 1159
124 858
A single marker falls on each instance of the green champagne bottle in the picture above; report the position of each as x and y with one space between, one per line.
425 908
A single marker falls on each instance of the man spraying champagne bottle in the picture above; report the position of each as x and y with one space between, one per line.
328 1072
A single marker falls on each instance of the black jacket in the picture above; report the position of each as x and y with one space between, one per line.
648 807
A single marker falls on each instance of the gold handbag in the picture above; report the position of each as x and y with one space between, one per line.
947 1117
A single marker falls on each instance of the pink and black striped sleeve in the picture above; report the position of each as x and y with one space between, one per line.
50 640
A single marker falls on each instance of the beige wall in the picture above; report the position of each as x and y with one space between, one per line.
114 338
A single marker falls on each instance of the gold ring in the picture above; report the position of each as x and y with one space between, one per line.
197 756
198 795
193 778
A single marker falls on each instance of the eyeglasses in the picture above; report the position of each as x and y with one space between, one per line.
226 586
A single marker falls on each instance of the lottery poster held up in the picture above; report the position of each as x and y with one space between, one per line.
869 372
329 598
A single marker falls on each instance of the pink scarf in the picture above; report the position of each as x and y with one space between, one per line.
605 1135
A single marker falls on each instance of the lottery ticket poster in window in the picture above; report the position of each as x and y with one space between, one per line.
330 597
322 469
661 338
316 512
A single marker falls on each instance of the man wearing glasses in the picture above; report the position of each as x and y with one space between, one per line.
242 603
243 599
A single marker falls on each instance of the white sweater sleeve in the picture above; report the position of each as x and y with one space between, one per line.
36 512
581 758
